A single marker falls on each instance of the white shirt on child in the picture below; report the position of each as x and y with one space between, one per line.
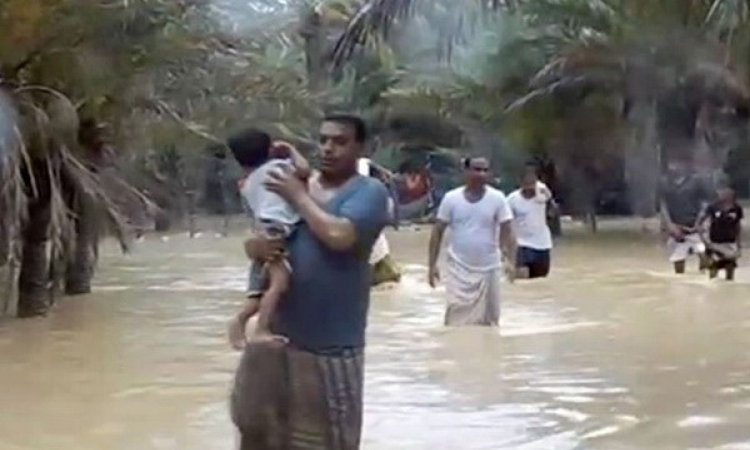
266 206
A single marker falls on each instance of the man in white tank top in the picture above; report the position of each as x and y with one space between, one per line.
479 221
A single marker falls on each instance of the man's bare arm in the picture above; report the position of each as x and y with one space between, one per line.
739 235
336 233
302 167
664 212
508 242
384 173
666 218
702 216
436 241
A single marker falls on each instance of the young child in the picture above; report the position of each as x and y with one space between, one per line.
723 243
272 217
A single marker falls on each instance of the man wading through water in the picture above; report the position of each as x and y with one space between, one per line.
683 197
478 216
308 395
529 205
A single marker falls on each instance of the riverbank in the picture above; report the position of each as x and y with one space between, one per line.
648 228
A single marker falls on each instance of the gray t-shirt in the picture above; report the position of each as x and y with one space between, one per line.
685 198
267 207
325 309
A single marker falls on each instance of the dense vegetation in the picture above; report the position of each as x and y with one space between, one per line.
111 110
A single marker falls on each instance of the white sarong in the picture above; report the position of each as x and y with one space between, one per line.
473 293
679 251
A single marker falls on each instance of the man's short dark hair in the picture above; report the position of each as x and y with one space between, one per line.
352 121
251 148
530 167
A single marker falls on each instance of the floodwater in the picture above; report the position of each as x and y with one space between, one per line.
611 352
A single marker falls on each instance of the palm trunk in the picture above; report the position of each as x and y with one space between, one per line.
192 212
33 285
642 159
582 191
9 273
312 33
82 264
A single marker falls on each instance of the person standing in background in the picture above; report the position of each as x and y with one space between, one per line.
478 216
529 205
724 233
683 198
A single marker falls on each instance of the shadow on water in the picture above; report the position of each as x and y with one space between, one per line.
611 352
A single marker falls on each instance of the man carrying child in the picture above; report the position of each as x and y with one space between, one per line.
307 393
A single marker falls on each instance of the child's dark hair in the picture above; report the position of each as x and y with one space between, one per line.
251 148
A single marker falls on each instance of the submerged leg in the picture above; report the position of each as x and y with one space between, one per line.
278 274
730 272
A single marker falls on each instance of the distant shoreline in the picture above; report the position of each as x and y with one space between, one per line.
237 224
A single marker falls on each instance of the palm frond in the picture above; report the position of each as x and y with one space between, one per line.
374 16
12 196
199 130
108 195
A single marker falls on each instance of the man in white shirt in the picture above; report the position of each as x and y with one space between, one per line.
476 214
529 206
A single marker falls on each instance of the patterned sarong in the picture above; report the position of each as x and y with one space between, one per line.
288 399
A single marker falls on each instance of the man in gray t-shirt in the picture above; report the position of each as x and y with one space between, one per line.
683 198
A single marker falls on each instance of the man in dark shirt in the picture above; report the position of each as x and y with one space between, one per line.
724 233
683 198
308 395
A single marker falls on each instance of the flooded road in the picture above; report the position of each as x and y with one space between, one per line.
610 353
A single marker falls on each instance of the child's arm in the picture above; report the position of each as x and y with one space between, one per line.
704 216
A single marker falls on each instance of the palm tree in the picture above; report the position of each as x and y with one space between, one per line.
59 84
160 75
661 65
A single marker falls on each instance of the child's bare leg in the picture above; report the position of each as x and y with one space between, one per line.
278 279
236 328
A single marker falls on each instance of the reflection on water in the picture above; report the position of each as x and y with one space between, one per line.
612 352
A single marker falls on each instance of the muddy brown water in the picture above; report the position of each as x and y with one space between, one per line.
611 352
